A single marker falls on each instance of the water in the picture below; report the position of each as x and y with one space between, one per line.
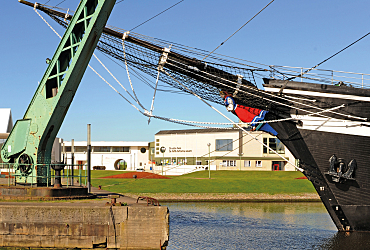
257 226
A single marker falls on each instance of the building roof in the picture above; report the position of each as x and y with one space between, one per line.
6 121
199 131
110 143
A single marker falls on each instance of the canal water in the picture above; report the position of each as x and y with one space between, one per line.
214 225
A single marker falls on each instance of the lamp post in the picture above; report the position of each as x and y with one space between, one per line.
209 160
151 157
163 149
240 161
89 158
72 158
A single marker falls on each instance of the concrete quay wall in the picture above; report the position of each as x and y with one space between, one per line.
53 226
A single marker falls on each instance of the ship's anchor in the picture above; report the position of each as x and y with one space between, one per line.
337 168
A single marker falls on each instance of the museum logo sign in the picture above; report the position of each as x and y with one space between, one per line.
179 150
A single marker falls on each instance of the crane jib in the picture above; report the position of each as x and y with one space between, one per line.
32 138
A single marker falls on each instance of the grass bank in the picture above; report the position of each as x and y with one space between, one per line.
229 185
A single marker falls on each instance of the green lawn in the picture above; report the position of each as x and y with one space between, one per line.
278 182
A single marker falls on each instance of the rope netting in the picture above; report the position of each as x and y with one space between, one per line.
206 78
146 60
183 68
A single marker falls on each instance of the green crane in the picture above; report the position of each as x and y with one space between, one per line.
30 142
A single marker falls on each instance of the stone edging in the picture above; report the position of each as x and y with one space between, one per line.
229 197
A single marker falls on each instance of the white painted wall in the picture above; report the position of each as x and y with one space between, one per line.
133 158
6 120
194 145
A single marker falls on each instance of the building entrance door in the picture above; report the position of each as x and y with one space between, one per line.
277 165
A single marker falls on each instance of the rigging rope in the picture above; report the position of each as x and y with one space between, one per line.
190 123
128 75
95 70
114 89
200 98
34 8
162 61
155 91
60 3
144 113
201 53
186 66
114 79
193 50
238 30
156 15
273 96
329 57
144 78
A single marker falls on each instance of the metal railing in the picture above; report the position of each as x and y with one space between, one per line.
70 175
323 76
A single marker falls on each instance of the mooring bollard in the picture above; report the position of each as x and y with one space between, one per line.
58 178
113 199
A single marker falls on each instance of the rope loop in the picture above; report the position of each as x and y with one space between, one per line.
66 15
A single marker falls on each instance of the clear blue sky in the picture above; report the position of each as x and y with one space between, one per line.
290 32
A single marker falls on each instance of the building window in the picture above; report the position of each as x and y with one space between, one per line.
247 164
157 140
265 148
76 148
101 149
228 163
274 144
277 165
120 149
157 144
258 164
80 149
224 145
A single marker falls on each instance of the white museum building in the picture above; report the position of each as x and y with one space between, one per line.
6 122
109 155
226 149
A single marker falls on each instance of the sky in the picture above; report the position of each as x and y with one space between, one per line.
298 33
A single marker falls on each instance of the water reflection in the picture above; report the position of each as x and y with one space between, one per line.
257 226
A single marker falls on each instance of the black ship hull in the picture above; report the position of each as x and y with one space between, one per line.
343 188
